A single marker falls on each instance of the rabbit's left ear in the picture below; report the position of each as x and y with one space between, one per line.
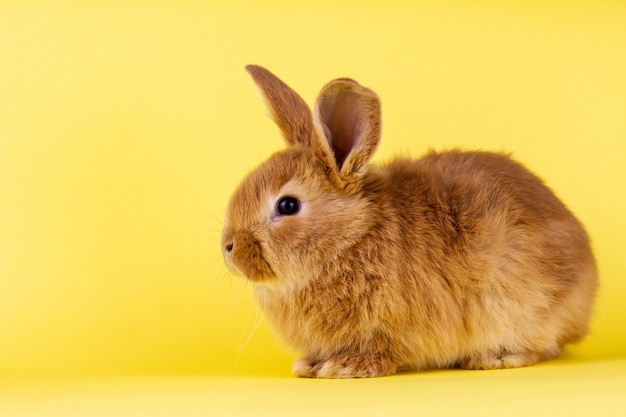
288 109
347 115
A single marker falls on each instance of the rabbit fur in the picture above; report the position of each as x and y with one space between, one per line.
456 259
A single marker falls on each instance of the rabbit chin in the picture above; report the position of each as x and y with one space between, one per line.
262 274
263 277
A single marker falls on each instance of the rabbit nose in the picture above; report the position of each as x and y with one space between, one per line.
229 247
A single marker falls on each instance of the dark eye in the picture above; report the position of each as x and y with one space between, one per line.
288 206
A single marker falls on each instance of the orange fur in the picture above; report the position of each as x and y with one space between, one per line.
455 259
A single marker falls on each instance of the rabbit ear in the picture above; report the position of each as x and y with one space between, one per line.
348 116
289 111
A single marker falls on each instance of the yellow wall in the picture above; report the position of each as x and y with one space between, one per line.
124 126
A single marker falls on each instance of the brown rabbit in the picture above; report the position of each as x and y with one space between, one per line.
455 259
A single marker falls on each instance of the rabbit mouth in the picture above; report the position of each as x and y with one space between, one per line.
259 271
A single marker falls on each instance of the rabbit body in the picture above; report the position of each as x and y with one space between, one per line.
455 259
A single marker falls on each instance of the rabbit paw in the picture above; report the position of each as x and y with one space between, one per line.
507 360
344 366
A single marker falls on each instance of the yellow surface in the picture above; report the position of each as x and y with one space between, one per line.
556 389
125 126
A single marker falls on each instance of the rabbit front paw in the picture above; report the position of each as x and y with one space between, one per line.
344 366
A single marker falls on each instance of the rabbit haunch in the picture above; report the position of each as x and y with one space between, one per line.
455 259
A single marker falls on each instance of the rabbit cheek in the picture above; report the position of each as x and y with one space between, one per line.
246 257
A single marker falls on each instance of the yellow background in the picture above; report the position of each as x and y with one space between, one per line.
125 126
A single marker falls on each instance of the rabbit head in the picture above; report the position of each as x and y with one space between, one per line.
303 206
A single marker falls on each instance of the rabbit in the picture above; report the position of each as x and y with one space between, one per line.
459 259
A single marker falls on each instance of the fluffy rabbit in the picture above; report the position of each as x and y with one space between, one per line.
457 259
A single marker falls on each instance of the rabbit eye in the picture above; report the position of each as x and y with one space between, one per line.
288 206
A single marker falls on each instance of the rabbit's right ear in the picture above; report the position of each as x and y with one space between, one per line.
289 111
347 117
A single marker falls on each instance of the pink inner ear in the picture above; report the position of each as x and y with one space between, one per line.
345 124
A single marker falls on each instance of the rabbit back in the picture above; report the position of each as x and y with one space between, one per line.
501 249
